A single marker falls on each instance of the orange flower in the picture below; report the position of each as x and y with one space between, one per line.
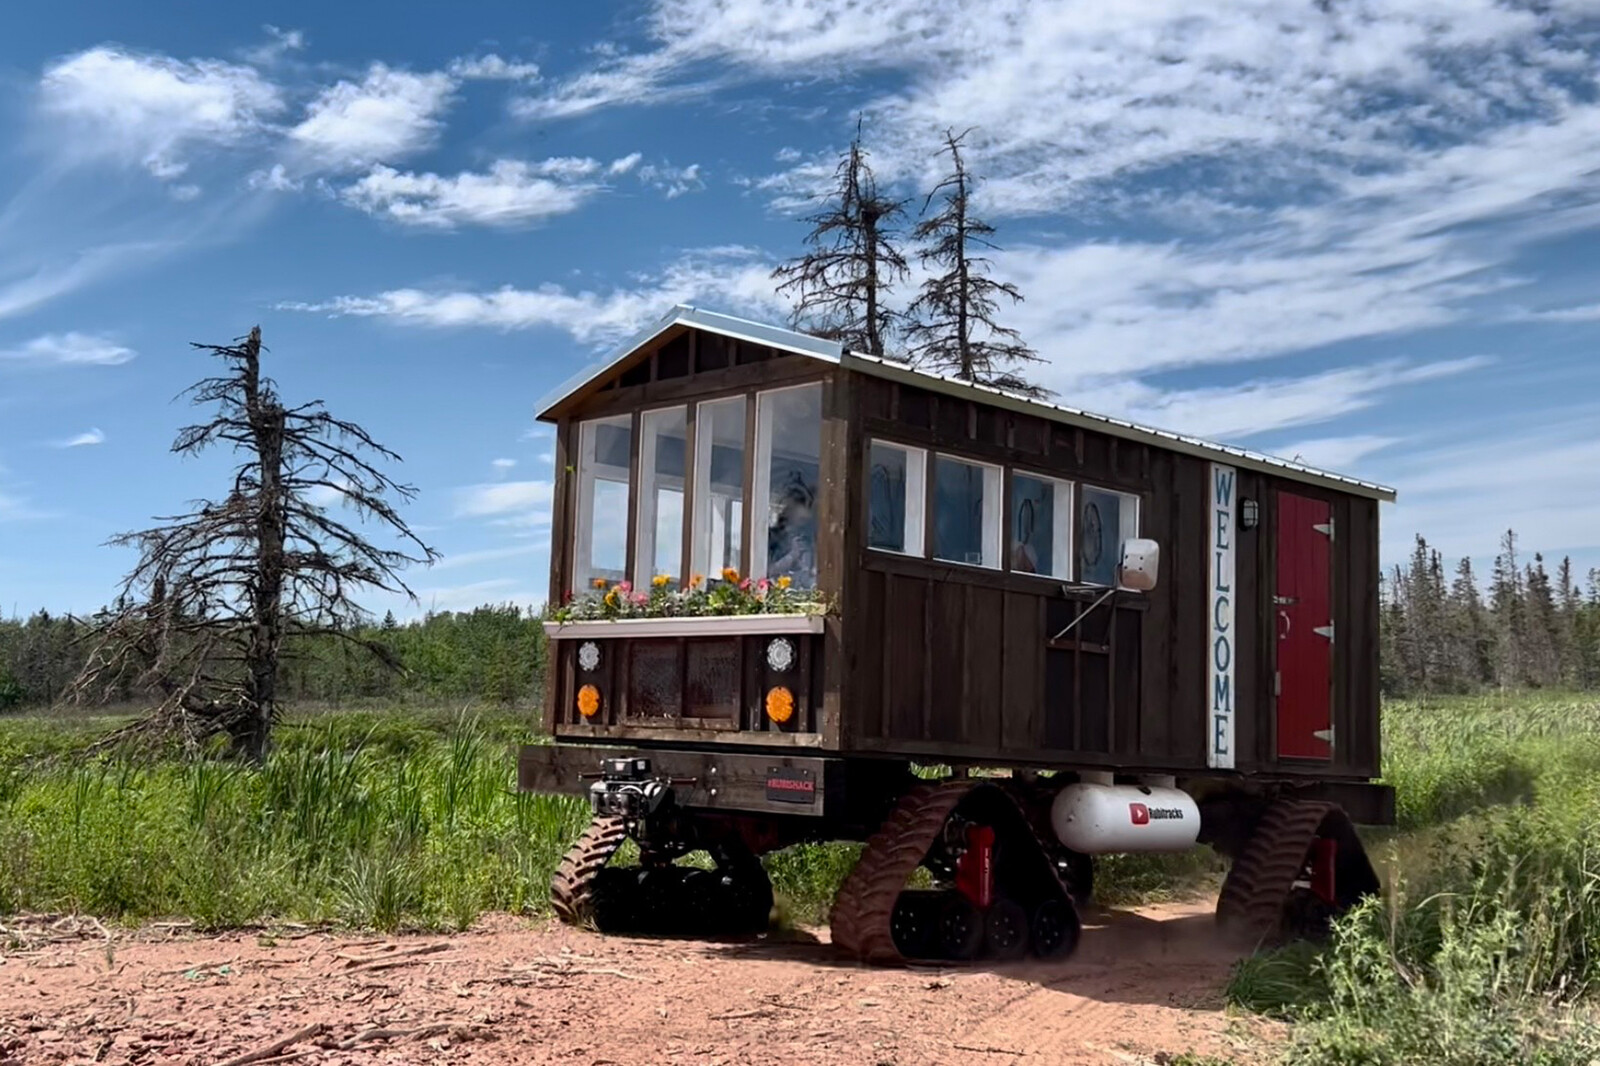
780 704
599 582
785 581
588 701
660 581
730 574
696 580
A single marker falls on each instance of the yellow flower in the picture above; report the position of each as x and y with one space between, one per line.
695 580
785 581
599 582
611 598
730 574
660 581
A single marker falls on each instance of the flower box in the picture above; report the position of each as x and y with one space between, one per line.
688 626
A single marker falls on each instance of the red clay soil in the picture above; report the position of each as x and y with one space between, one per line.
1144 986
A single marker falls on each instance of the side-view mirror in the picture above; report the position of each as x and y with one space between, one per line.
1141 562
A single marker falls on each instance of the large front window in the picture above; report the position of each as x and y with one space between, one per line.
718 485
787 465
966 512
663 455
605 450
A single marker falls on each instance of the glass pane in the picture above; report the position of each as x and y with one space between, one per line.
1105 520
960 508
789 455
719 485
663 455
1033 522
886 506
601 530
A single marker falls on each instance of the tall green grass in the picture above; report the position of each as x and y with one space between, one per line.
1487 949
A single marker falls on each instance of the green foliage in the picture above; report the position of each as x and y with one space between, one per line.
730 595
1488 949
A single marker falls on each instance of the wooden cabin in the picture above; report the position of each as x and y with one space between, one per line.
967 542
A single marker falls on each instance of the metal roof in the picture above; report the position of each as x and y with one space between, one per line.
833 352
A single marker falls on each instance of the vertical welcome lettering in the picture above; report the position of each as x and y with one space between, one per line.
1219 666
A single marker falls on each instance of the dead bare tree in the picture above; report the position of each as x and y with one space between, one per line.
840 284
952 321
204 617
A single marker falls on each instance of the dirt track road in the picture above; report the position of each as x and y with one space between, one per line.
1143 985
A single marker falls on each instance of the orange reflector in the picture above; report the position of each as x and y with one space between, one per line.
780 704
588 701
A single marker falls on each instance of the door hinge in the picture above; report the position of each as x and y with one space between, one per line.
1323 631
1325 528
1284 601
1277 682
1324 734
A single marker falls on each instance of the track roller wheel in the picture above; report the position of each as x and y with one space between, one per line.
961 928
915 923
1005 930
1053 930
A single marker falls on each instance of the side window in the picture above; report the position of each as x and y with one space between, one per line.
1041 526
718 485
1105 520
787 478
966 512
605 449
896 497
663 458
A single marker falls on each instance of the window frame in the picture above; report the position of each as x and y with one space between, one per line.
583 568
1077 531
914 534
644 568
760 487
1059 529
704 444
992 530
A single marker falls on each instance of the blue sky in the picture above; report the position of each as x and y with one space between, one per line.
1363 232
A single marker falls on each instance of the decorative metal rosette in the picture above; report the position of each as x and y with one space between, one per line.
588 655
780 655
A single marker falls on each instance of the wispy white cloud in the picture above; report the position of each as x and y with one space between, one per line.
477 593
502 464
1335 453
388 115
625 163
486 555
732 277
275 178
151 110
279 44
69 349
1579 313
510 193
674 181
492 67
504 497
85 439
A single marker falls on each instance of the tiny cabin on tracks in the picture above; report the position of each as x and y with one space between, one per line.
966 542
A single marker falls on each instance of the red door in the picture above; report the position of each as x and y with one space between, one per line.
1303 603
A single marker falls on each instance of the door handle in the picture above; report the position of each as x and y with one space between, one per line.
1284 601
1283 633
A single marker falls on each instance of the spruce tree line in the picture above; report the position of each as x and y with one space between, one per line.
1533 628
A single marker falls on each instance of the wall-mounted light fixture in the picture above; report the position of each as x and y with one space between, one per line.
1249 513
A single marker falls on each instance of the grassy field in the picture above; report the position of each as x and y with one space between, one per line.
1487 949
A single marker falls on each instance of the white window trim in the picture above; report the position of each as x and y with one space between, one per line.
582 526
761 484
994 516
916 516
1138 518
646 526
700 523
1063 542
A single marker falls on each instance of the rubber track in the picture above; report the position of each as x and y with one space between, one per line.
859 923
572 887
1257 888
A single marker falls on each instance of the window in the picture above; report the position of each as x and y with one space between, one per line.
1041 526
718 485
895 497
966 512
788 457
1105 520
663 443
605 449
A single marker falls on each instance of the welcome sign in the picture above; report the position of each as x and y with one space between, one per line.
1219 679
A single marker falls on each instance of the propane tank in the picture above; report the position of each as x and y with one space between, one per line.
1100 819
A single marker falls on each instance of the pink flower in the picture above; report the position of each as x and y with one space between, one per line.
640 598
625 586
744 586
763 585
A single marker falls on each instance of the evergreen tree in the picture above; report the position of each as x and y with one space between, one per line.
953 327
1469 628
1543 663
1506 600
1569 605
839 287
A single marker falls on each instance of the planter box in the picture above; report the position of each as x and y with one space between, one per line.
725 625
